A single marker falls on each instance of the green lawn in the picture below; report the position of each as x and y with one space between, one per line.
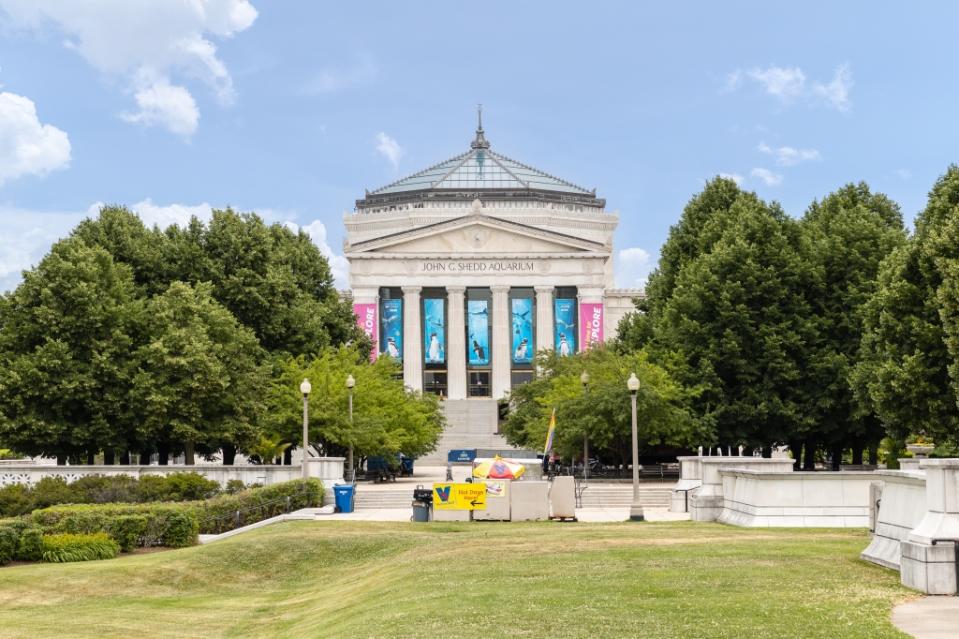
344 579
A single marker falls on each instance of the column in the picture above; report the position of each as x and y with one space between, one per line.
544 318
501 341
456 343
412 338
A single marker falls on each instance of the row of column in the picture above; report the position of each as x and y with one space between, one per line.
500 345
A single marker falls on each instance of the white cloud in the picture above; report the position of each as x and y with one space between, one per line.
339 265
334 80
389 149
167 105
735 177
789 85
836 93
28 147
146 43
767 176
632 267
783 83
26 236
787 155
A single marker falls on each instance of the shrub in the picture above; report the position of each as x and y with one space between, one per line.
30 547
234 486
152 488
70 547
54 490
172 525
102 489
218 515
8 544
128 530
189 486
15 500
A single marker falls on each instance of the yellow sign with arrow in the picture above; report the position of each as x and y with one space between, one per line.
459 496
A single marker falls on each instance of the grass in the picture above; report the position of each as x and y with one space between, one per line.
345 579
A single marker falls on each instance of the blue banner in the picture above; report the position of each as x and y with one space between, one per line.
391 329
434 330
477 323
522 313
564 316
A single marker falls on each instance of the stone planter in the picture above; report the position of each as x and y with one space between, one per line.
920 451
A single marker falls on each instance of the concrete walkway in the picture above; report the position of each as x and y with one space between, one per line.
586 515
928 617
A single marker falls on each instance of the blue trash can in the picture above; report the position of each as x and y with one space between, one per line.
343 495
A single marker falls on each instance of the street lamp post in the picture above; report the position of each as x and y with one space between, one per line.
635 509
350 383
584 378
305 388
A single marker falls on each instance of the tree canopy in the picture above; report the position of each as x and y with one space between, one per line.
602 410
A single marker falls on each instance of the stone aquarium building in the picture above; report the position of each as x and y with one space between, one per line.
464 270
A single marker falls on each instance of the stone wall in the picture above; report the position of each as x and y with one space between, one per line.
755 498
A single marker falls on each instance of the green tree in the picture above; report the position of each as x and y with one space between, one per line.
387 417
66 339
849 232
700 226
602 411
736 326
907 373
200 381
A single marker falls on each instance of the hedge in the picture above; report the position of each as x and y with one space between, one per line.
82 547
19 499
177 524
19 539
219 514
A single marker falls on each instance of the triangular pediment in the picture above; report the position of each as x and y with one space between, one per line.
477 234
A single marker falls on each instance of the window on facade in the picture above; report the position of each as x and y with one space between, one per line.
479 384
518 378
435 382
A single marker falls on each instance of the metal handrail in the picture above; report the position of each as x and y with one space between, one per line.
236 515
685 492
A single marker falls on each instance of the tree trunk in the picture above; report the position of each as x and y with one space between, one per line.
795 447
857 454
288 456
109 457
188 457
125 457
145 455
809 455
874 454
229 454
767 452
61 459
91 458
163 452
837 451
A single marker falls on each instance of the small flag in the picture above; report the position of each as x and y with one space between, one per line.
549 433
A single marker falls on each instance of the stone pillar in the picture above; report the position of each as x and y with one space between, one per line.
501 341
544 318
412 338
328 470
456 343
926 566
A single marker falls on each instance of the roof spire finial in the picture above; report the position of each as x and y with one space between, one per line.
480 141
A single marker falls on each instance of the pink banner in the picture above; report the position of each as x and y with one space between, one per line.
590 324
366 320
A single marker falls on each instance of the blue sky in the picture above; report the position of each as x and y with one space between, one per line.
293 108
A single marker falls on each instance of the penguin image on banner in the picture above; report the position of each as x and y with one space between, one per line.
522 314
434 329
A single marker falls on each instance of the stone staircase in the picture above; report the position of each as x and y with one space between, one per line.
596 495
471 423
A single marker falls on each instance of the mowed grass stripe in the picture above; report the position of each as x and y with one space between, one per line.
345 579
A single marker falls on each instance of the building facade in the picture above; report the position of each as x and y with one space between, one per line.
464 270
